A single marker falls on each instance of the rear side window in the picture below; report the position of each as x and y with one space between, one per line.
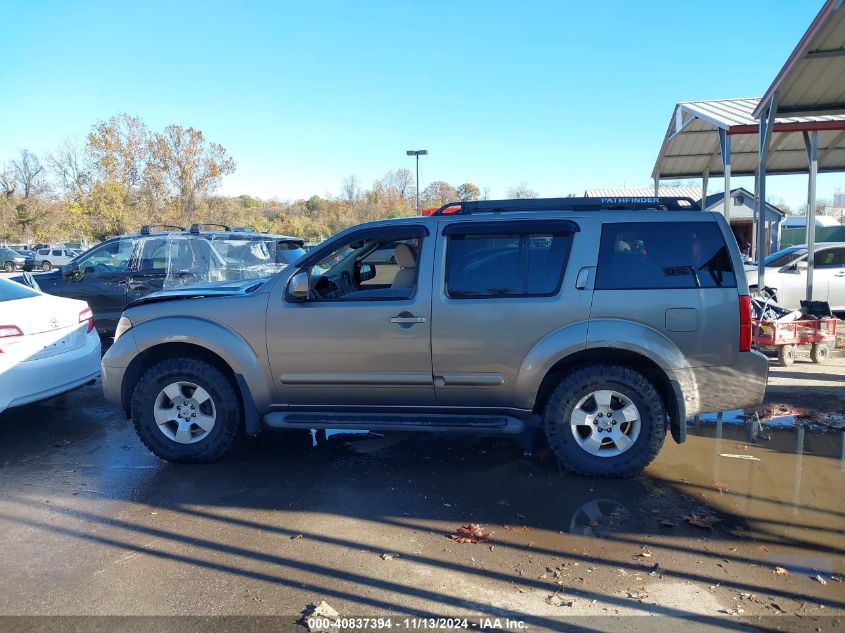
646 255
506 264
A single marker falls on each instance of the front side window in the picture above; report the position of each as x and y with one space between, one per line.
649 255
369 268
830 258
112 257
506 264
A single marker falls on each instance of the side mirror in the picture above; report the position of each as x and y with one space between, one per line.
299 286
69 271
366 272
802 265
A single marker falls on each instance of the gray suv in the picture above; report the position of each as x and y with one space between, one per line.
606 321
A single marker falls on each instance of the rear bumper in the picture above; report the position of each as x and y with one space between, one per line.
714 389
34 380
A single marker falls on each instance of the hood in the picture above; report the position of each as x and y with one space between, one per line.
198 291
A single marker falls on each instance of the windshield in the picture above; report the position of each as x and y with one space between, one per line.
784 256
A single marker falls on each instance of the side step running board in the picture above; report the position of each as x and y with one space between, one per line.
395 422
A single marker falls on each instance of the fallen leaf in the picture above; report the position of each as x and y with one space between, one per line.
780 571
389 555
471 533
296 536
820 580
63 443
643 554
703 521
556 600
668 523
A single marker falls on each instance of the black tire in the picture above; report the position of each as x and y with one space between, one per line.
219 387
628 382
786 355
46 266
819 353
9 267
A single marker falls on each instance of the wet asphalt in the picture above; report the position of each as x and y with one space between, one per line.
718 533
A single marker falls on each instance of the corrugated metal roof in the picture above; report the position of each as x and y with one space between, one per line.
691 144
645 192
812 81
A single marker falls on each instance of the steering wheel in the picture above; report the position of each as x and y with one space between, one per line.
325 288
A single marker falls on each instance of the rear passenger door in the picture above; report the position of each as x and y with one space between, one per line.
500 287
675 278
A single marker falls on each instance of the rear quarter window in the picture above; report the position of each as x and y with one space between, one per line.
649 255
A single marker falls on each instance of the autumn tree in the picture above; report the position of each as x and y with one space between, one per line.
438 193
187 166
468 192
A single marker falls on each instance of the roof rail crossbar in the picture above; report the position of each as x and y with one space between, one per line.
147 228
196 227
569 204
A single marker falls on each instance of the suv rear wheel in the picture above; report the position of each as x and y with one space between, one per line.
186 410
605 421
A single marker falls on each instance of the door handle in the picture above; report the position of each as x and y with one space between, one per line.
407 319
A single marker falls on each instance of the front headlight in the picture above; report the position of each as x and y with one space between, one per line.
122 325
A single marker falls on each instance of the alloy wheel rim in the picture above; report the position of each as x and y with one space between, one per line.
605 423
184 412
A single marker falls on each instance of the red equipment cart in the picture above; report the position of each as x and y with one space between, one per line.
784 337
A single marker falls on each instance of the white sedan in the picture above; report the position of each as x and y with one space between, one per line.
786 271
48 345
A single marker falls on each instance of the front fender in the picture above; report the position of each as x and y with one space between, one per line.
218 339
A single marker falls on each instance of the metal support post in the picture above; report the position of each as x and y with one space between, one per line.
811 142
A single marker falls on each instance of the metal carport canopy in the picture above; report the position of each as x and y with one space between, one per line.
812 81
691 147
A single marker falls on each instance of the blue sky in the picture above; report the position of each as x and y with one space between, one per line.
560 95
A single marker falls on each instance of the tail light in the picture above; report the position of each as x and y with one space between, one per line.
9 331
87 316
744 323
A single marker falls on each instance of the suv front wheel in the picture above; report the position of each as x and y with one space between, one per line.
605 421
186 410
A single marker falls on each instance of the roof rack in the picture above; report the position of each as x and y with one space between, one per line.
146 229
196 227
568 204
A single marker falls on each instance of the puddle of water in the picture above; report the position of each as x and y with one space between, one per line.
771 418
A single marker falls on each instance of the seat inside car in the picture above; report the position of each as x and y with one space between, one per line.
406 258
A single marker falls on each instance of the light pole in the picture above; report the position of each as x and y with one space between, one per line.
417 153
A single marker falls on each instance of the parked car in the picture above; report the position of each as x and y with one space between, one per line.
11 260
786 272
49 258
122 269
48 345
29 258
609 320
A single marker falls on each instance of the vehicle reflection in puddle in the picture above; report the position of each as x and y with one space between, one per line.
776 501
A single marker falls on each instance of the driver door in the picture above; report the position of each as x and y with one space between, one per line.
101 280
369 349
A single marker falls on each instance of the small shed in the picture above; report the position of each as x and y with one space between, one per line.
742 217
